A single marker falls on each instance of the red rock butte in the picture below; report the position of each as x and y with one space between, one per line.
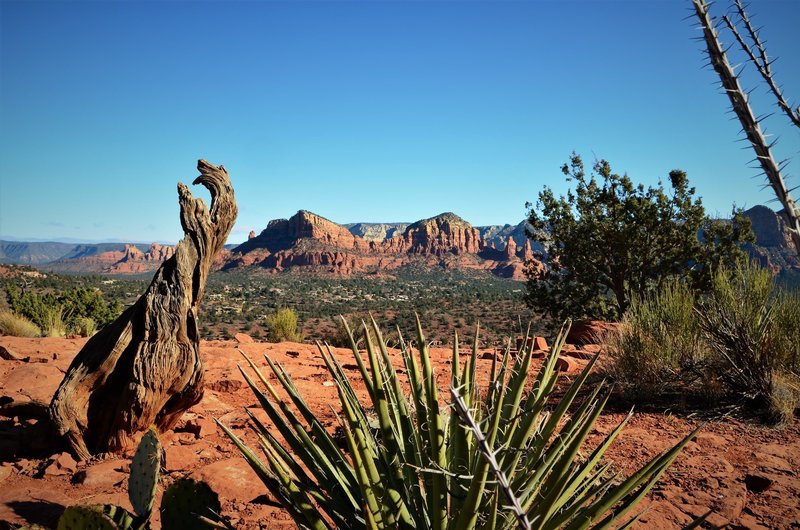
309 241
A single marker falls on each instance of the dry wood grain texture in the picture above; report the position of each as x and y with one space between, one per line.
145 368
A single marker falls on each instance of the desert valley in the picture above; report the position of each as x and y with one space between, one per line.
429 265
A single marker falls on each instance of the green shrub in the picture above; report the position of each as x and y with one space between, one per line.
408 462
84 326
54 321
745 336
17 326
737 320
282 326
740 339
786 330
63 312
660 338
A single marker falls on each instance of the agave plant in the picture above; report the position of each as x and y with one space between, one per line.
508 456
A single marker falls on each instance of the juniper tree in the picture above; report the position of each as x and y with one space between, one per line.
609 239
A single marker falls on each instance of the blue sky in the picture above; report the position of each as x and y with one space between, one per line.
359 111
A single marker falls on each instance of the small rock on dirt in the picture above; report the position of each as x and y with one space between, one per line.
5 472
226 385
232 479
589 331
8 355
243 338
757 483
62 464
102 475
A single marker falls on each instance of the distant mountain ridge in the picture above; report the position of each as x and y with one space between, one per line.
309 242
40 253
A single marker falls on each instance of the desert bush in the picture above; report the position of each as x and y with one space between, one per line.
750 347
409 462
740 340
57 314
54 321
647 235
84 326
660 339
786 334
17 326
282 326
737 321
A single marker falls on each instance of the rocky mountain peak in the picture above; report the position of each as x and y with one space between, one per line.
437 236
443 221
769 227
283 234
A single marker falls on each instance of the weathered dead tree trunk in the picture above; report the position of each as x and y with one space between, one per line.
145 368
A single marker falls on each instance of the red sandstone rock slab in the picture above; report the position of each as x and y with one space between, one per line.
232 479
590 331
104 475
243 338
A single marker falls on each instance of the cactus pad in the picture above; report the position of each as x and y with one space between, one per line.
144 473
121 517
185 502
85 518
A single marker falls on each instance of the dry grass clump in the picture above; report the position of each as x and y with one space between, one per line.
54 322
17 326
660 339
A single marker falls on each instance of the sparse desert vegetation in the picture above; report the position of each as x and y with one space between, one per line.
731 342
17 326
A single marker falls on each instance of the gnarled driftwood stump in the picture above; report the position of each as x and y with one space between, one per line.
144 368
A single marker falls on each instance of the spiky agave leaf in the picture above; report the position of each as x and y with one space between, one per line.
418 468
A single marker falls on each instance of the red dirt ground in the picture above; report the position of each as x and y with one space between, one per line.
746 473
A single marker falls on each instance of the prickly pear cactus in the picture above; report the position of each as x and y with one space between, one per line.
144 473
185 502
85 518
121 517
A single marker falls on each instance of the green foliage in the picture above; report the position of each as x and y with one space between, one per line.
786 332
17 326
54 321
145 469
739 339
610 239
187 503
69 311
750 347
407 462
282 326
85 518
84 326
659 339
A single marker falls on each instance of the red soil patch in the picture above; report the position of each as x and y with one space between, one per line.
747 474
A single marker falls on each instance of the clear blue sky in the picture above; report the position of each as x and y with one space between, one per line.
359 111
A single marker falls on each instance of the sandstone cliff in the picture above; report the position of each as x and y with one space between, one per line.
437 236
309 242
774 248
